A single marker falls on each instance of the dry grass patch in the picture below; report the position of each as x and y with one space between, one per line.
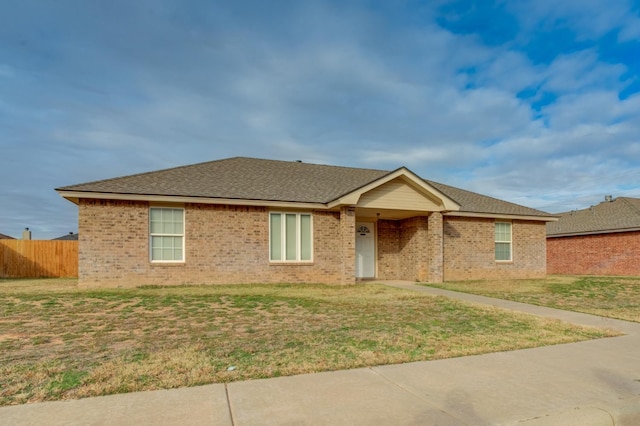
68 343
612 297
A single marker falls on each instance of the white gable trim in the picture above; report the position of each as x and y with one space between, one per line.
352 198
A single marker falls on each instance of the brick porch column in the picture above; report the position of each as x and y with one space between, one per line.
348 249
436 249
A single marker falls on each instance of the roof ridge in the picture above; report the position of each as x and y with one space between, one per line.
219 161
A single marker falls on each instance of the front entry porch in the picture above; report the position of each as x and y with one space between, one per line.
406 249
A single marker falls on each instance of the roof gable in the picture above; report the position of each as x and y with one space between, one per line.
619 215
401 189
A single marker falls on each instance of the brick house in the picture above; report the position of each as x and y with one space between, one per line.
244 220
601 240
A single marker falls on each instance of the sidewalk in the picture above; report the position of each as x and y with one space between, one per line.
588 383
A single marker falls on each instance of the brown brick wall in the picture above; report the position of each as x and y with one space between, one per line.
230 244
414 251
402 249
223 244
604 254
388 233
469 250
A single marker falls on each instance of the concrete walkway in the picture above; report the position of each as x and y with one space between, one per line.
588 383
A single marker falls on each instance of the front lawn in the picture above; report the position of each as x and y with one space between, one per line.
613 297
59 342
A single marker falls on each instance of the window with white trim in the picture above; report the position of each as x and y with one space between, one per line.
290 237
166 234
503 241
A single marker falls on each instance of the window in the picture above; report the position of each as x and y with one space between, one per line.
166 234
503 241
290 237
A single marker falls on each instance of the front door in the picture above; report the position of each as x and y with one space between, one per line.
365 250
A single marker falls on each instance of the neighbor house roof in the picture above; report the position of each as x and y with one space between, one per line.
619 215
253 179
69 237
6 237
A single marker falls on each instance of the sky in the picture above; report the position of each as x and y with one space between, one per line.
533 102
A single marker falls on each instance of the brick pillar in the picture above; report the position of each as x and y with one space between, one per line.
422 252
348 249
436 251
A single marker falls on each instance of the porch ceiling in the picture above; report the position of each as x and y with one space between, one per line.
387 214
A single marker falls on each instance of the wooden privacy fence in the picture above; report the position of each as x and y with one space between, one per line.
34 258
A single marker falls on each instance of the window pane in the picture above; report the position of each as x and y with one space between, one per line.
503 251
177 248
276 236
156 214
166 248
305 237
503 231
290 236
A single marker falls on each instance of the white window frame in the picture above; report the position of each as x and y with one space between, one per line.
159 234
509 241
298 238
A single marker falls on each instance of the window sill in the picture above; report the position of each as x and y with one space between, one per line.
292 263
167 263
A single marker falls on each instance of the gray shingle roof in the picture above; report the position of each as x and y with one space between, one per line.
243 178
472 202
6 237
68 237
609 216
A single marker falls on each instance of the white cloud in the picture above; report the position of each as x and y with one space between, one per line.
590 19
582 71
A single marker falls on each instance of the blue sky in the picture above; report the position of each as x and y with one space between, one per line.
537 102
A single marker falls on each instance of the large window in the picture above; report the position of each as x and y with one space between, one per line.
503 241
290 237
166 234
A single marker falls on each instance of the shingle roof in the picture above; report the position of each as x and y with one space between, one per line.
472 202
6 237
69 237
609 216
241 178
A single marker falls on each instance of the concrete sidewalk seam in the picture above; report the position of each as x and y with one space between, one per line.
226 391
414 394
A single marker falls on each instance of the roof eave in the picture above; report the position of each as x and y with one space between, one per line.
600 232
75 196
503 216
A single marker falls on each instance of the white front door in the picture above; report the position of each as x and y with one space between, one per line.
365 250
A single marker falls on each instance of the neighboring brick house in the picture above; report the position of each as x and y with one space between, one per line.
600 240
244 220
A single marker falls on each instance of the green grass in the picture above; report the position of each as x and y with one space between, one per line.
612 297
60 342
